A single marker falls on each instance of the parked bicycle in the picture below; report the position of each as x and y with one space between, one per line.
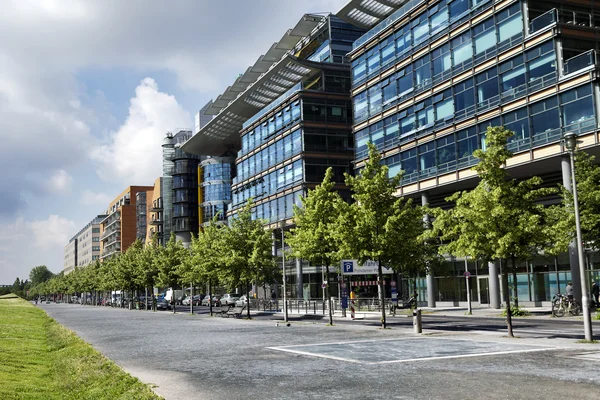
562 304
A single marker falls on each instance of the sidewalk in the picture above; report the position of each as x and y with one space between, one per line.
477 312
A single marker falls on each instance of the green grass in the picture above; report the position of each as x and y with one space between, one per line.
40 359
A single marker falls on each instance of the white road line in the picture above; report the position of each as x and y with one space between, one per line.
460 356
305 353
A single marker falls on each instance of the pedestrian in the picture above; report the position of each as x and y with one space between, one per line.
596 292
570 291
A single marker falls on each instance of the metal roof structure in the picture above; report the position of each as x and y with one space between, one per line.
272 75
222 132
289 40
368 13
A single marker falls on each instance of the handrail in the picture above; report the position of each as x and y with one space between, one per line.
546 19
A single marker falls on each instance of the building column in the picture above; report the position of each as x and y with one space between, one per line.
565 166
299 283
430 280
494 285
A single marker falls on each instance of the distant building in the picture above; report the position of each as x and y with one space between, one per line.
119 227
84 247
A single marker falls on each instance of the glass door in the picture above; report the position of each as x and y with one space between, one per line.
484 290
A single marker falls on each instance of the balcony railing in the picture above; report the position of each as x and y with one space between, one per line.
579 62
544 20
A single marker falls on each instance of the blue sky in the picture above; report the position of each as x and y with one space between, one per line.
84 83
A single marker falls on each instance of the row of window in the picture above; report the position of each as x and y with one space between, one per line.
186 167
281 150
185 210
216 192
217 172
497 29
445 61
270 184
185 195
278 209
537 124
527 72
327 111
285 117
209 211
184 181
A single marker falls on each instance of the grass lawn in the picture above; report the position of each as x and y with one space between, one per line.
40 359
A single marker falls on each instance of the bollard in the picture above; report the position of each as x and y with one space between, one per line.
352 312
417 321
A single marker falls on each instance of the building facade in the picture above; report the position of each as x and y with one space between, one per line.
429 77
215 175
84 247
119 227
287 119
70 256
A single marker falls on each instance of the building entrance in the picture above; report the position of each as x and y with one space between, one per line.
484 290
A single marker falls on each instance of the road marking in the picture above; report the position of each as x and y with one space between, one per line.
461 356
330 353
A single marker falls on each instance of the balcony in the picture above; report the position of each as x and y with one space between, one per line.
110 232
156 221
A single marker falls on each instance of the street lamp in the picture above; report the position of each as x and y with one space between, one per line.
570 140
285 310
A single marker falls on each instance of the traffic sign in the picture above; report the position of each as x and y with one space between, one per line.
393 283
324 285
467 274
343 285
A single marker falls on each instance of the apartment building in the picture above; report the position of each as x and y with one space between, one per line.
84 247
119 227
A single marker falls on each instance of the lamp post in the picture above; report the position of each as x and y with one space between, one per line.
285 309
570 140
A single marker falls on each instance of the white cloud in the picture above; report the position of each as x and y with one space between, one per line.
60 182
90 198
52 232
134 153
27 243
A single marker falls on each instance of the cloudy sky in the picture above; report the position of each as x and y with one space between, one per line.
89 87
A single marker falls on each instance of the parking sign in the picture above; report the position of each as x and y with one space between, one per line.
348 266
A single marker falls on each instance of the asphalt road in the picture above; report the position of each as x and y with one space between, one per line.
199 357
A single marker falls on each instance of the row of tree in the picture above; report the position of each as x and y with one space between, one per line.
501 219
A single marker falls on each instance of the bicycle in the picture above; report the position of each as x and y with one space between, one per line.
562 304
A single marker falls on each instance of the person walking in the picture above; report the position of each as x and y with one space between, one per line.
569 291
595 293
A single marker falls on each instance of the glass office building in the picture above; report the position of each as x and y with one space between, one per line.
429 77
286 119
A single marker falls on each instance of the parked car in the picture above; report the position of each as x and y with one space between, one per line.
229 299
186 301
207 300
162 304
242 301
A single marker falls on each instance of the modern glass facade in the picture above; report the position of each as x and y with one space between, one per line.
183 207
214 188
427 85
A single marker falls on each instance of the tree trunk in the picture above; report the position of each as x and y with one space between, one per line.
328 294
381 293
210 304
248 299
191 298
507 300
514 276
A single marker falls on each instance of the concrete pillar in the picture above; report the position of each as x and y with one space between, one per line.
494 285
430 280
565 166
299 282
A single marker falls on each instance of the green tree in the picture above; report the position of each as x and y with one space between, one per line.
380 226
247 251
169 260
144 266
206 257
315 237
39 274
500 218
